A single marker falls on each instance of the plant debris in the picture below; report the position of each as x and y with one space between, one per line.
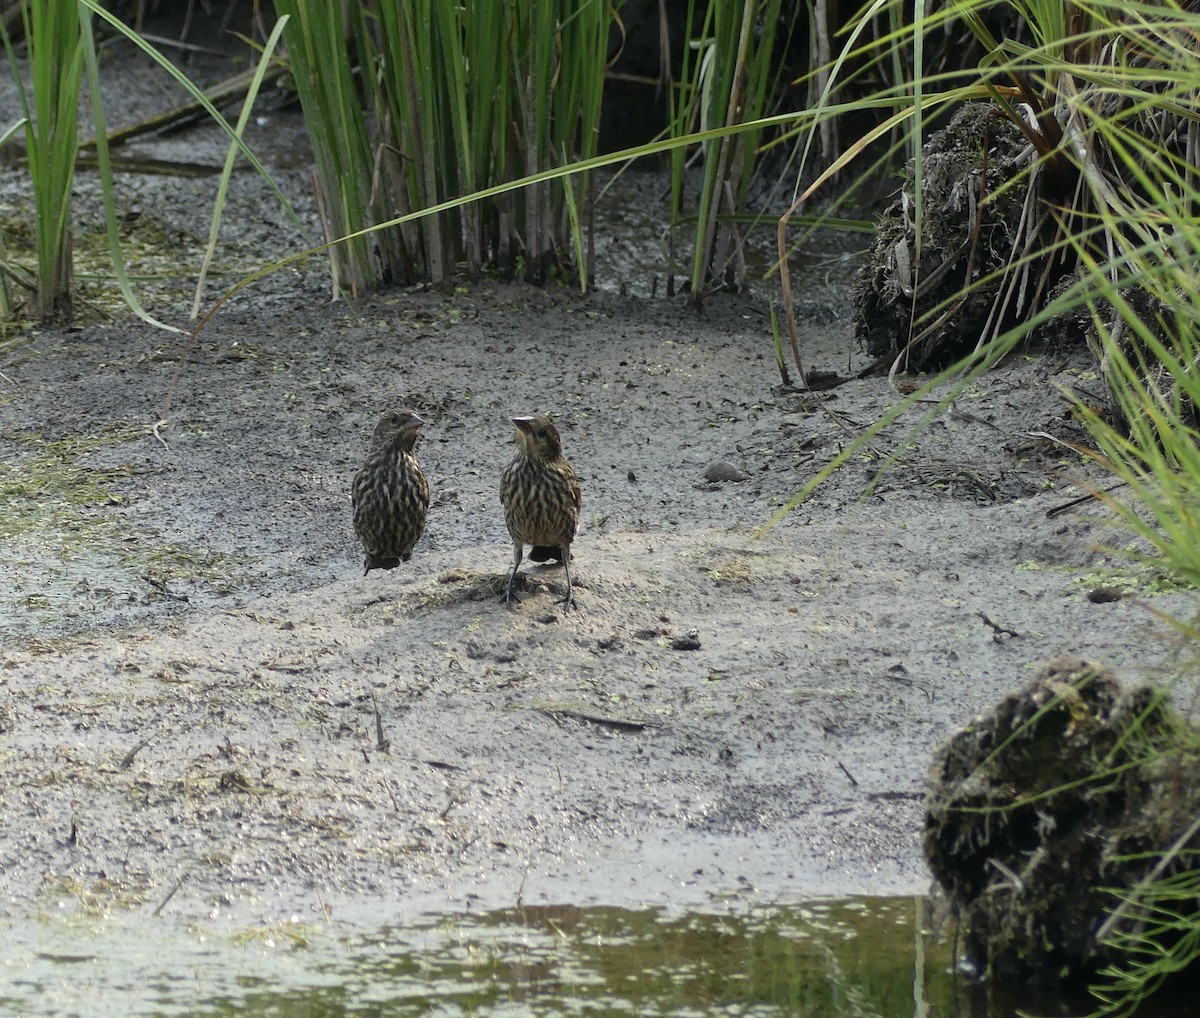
1045 812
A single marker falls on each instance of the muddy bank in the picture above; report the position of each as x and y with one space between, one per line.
269 731
205 707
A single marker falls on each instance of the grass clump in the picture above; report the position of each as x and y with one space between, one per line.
412 104
50 110
70 551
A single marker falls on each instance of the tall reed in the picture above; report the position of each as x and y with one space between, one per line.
55 52
726 80
417 102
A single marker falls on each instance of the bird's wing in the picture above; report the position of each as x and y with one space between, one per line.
573 481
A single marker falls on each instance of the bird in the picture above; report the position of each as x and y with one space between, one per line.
390 493
541 498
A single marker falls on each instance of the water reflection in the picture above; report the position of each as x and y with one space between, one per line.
863 957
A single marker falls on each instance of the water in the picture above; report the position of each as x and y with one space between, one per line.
862 957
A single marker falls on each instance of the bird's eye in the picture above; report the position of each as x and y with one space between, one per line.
540 433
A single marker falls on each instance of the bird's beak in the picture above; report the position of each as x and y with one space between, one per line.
414 421
524 424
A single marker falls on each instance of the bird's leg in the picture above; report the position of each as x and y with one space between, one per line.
509 596
568 602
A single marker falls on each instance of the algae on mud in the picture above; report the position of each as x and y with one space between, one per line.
73 553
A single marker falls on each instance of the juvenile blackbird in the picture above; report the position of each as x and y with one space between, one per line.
540 495
390 493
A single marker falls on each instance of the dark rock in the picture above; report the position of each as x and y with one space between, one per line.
724 471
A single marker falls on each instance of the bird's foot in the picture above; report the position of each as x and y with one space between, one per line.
568 602
509 598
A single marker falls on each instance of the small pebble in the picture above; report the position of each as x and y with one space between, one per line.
724 471
689 642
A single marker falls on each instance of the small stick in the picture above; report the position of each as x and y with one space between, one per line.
381 743
170 894
842 766
454 801
617 724
1058 510
127 759
998 632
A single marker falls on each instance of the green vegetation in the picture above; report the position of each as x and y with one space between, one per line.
1104 228
60 49
415 103
440 152
55 47
724 81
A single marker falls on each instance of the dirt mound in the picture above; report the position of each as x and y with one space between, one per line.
970 218
1051 816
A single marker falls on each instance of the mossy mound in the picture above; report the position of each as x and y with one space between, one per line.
970 219
1041 811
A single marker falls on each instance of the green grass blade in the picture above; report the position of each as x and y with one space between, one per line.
196 93
102 158
230 157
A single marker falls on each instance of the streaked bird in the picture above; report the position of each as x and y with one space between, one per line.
541 499
390 492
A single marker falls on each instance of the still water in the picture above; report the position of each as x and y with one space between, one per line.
857 957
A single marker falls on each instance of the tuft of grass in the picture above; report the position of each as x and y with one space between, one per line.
55 47
441 101
725 82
